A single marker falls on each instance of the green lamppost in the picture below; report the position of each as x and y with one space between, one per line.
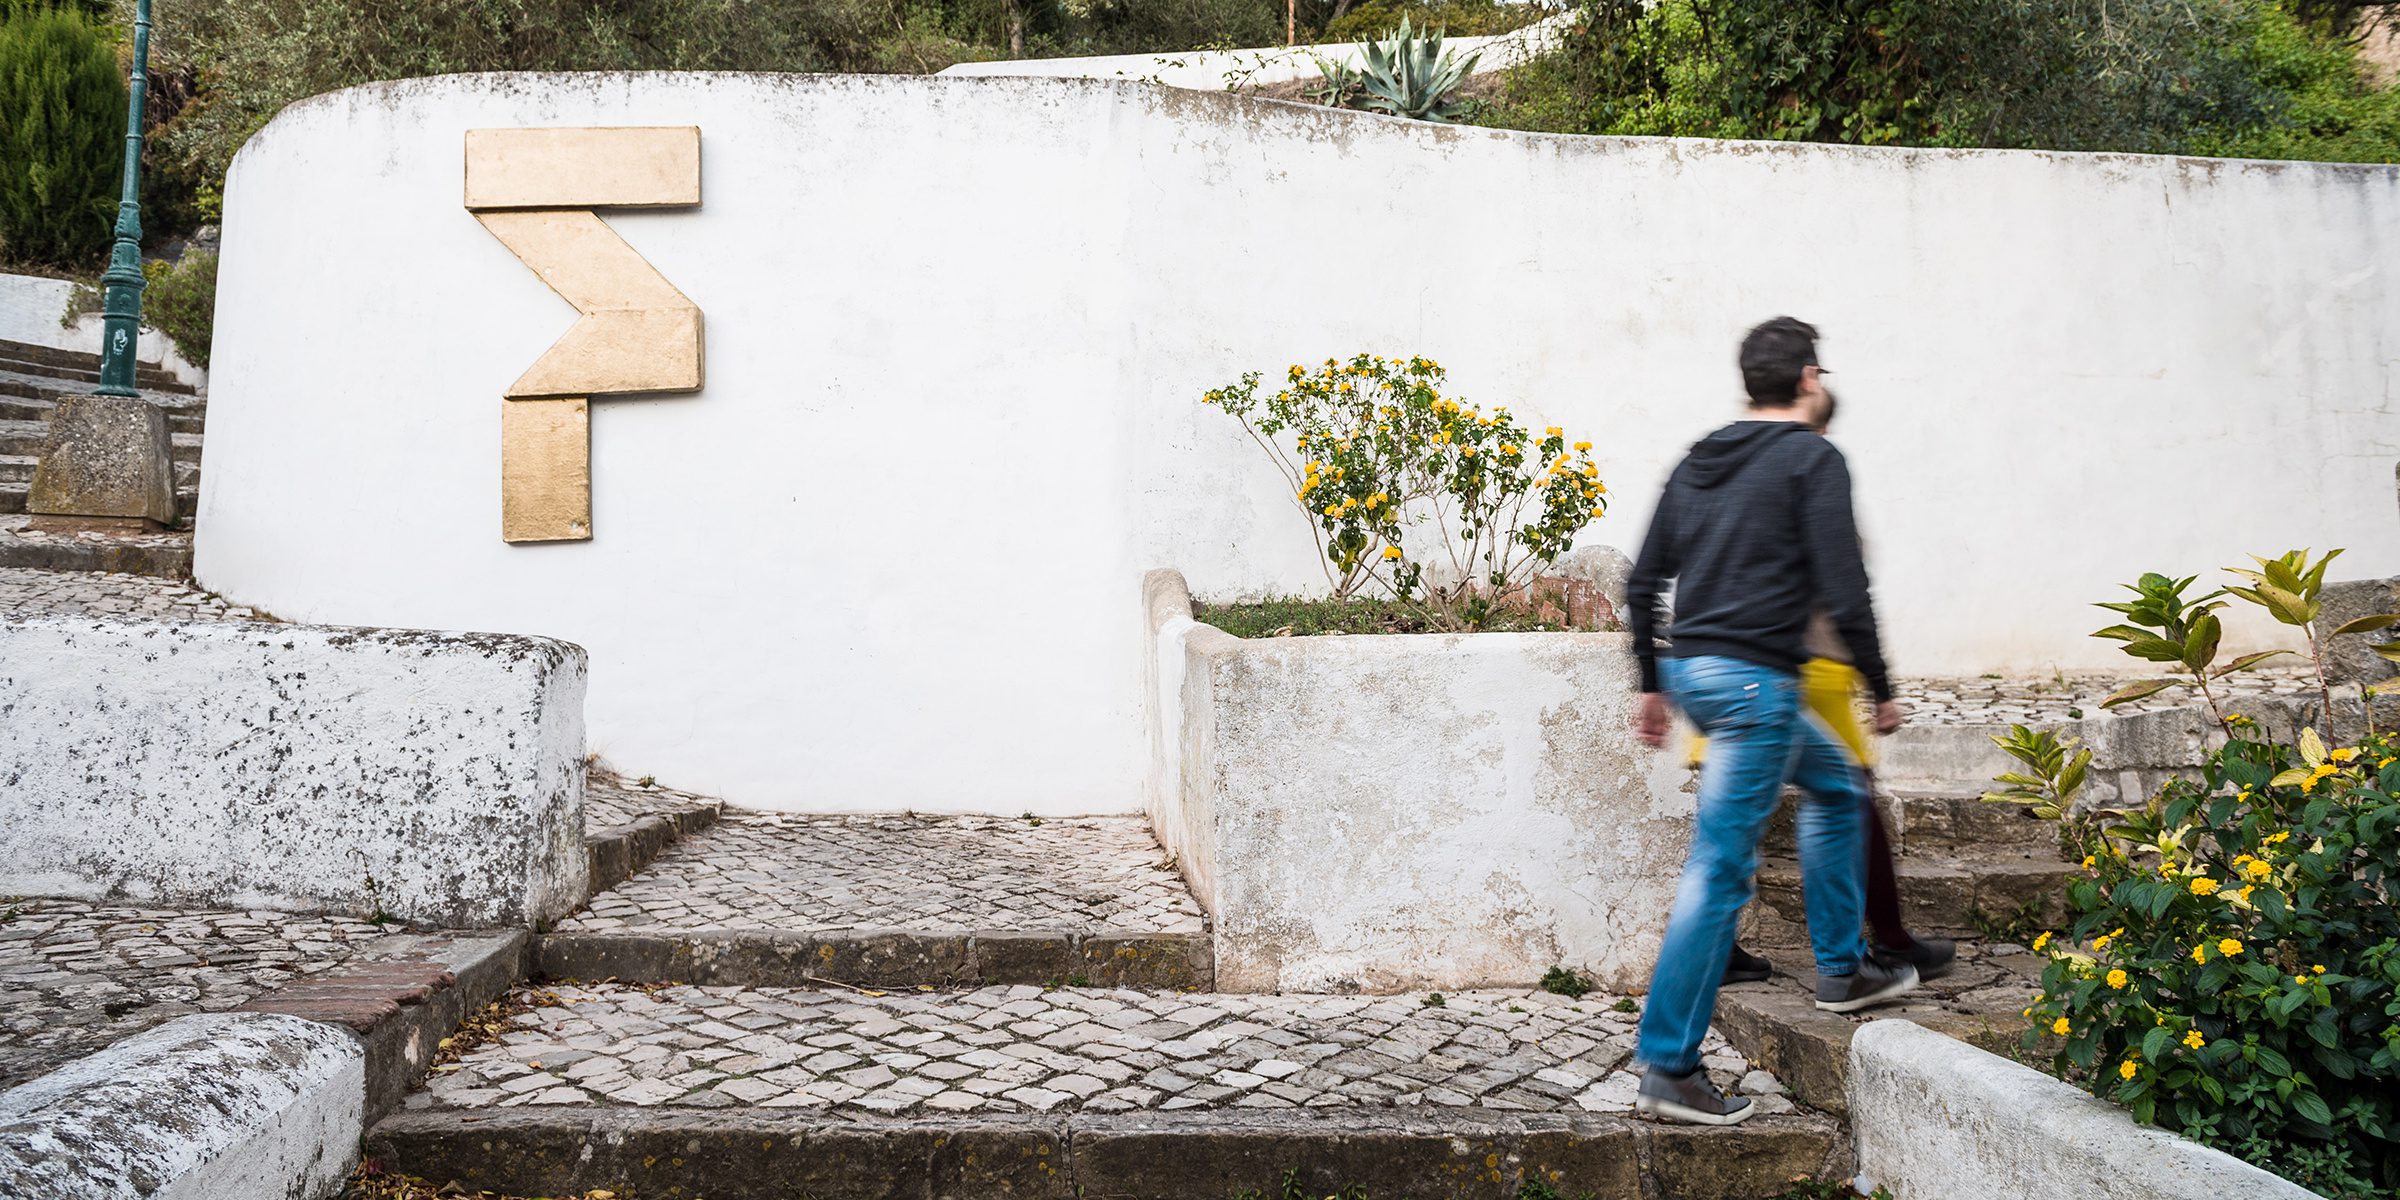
108 456
121 329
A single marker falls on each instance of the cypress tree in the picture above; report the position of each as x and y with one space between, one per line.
62 129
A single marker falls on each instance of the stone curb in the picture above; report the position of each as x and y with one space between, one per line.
226 1106
1783 1033
881 958
403 1002
1148 1156
614 854
1940 1120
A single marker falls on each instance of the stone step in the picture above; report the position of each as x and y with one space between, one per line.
895 901
1020 1091
31 403
12 497
1930 821
628 824
1949 895
1777 1026
146 380
30 352
164 555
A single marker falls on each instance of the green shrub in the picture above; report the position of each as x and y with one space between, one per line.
2232 970
1456 18
1394 478
181 302
62 129
2324 106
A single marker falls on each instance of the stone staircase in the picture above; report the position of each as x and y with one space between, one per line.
34 378
902 1005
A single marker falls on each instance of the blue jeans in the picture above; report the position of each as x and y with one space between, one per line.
1759 737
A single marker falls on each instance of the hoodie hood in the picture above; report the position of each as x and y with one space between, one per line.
1722 455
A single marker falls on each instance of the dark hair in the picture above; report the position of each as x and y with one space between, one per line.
1773 356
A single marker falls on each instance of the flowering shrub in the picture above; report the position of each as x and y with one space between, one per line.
2232 970
1413 494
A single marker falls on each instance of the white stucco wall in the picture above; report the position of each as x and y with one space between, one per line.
958 327
246 765
1938 1119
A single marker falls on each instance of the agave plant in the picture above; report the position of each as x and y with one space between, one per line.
1408 75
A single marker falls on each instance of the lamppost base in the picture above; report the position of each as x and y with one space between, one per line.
106 457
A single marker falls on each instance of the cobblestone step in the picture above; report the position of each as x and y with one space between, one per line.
53 356
628 824
1950 895
895 901
21 436
1023 1091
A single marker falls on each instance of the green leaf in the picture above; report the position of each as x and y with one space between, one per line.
2311 1107
2155 649
2200 648
2390 651
2155 1042
2273 1062
2364 624
2139 691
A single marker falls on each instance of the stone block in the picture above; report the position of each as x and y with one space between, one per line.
1937 1119
434 777
220 1106
107 456
2347 658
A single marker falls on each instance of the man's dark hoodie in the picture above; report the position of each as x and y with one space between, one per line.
1755 531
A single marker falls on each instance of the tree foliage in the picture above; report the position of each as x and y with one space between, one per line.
62 118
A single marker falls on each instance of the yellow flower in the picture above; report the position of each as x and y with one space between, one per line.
2194 1040
2202 885
2381 763
1466 451
2101 943
2278 839
2116 979
1333 510
1583 447
2343 755
2089 862
2126 1069
2199 954
2041 941
1555 431
2061 1026
1391 551
2244 894
2302 980
2259 869
2318 970
1506 448
2229 947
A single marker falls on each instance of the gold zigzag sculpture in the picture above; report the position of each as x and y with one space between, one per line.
535 190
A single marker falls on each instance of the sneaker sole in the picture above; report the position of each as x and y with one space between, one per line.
1693 1116
1749 976
1897 988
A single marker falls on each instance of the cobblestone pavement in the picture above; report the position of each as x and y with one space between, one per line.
28 592
76 976
1020 1049
610 799
925 874
2021 699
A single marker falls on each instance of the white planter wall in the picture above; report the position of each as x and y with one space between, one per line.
958 327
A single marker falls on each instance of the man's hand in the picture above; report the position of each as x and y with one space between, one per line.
1650 721
1889 716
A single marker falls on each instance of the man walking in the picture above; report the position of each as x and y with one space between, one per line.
1755 532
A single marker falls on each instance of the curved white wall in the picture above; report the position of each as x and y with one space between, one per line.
957 329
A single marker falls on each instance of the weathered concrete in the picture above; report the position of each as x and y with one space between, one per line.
223 1106
1430 1155
1937 1119
434 777
880 957
108 456
1340 844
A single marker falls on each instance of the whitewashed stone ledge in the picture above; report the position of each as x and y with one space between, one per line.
280 766
1410 811
221 1106
1937 1119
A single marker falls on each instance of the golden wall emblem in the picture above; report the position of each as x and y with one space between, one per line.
535 190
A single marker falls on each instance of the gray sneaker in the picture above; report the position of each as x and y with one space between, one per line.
1693 1098
1870 985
